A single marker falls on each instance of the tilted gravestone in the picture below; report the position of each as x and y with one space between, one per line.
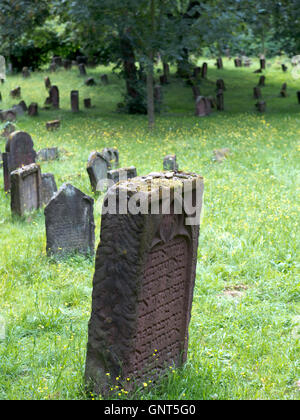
143 282
49 188
18 152
122 174
9 128
69 218
26 189
97 168
90 82
170 163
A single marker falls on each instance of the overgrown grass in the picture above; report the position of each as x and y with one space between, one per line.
244 333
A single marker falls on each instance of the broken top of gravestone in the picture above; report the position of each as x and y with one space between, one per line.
170 163
97 168
144 281
69 218
26 189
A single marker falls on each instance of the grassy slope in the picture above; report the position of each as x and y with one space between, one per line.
244 346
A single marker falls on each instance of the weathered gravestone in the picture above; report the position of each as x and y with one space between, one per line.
53 125
220 84
219 63
82 70
97 168
204 70
196 91
262 63
284 67
238 62
69 218
143 283
87 103
33 109
203 107
122 174
67 64
23 105
298 96
26 189
9 128
112 156
49 153
49 188
90 82
170 163
220 100
8 115
18 152
16 93
54 97
75 101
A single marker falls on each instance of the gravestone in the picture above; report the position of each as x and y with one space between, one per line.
69 218
16 93
238 62
261 82
122 174
219 63
262 63
298 96
87 103
53 125
104 79
203 107
90 82
49 188
256 92
18 152
50 153
67 64
33 109
47 83
204 70
25 72
220 100
82 70
261 106
170 163
9 128
220 84
8 115
284 67
112 156
143 284
26 189
97 169
54 97
23 105
75 101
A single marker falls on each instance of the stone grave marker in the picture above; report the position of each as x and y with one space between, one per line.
18 152
53 125
47 83
23 105
261 106
87 103
97 169
49 188
9 128
50 153
82 70
54 96
122 174
262 63
220 100
219 63
8 115
256 92
298 96
33 109
143 283
170 163
204 70
203 107
220 85
75 101
284 67
67 64
25 72
261 82
26 189
69 218
16 93
90 82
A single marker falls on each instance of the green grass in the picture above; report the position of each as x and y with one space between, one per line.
242 345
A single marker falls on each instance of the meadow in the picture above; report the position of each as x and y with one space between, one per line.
245 326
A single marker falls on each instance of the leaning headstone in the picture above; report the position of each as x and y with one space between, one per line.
82 70
69 218
112 156
33 109
49 188
26 189
50 153
170 163
18 152
141 305
97 168
122 174
53 125
75 100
